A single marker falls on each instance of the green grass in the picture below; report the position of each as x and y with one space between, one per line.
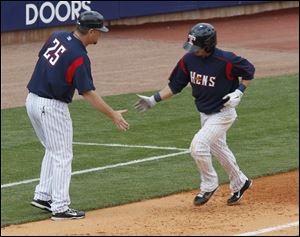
264 139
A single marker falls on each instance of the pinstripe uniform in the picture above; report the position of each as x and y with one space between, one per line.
62 67
211 79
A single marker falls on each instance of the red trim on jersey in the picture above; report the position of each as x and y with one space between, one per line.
71 70
228 71
183 66
229 67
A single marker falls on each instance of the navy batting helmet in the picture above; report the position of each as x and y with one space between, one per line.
201 36
92 20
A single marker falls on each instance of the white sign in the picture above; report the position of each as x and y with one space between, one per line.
73 9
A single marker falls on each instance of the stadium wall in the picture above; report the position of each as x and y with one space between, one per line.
28 21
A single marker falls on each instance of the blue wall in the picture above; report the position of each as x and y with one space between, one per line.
20 15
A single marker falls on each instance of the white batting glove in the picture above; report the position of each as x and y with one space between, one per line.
144 103
233 99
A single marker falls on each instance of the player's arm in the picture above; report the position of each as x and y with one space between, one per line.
178 79
246 83
244 69
146 102
165 93
98 103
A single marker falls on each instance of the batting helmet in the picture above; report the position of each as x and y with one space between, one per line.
92 20
201 36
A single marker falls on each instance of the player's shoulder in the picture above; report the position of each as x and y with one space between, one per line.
224 54
75 50
188 56
64 36
74 47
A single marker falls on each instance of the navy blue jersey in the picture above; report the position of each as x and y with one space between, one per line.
211 78
62 67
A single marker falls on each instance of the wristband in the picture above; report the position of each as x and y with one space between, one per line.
157 97
242 87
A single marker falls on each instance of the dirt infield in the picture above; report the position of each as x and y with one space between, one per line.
140 58
271 201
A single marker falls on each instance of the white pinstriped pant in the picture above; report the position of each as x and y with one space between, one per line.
53 125
211 140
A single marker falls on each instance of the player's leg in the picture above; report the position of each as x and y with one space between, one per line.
239 183
200 151
213 127
227 159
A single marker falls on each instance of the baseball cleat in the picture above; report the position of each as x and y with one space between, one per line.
68 214
44 205
203 197
237 196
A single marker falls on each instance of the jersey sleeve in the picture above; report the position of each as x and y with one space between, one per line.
242 68
179 77
79 74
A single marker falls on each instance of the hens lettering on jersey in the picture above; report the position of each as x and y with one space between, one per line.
202 80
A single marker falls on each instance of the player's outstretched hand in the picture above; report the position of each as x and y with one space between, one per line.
233 99
119 121
144 103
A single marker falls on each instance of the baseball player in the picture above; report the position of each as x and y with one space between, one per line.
63 66
214 76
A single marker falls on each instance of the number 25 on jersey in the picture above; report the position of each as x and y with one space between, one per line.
53 53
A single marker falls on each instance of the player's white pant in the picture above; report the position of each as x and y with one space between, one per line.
211 139
53 125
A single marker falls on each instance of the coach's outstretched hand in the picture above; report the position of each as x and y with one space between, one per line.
144 103
119 121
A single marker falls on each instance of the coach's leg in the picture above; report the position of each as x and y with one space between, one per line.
59 133
35 109
43 190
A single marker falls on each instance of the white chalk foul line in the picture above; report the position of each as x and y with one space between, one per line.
275 228
129 146
103 167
